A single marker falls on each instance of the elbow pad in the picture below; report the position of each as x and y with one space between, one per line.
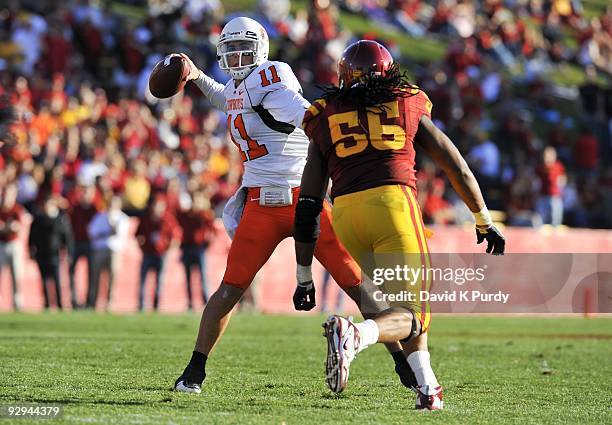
307 213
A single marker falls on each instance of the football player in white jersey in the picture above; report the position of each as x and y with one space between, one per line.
265 109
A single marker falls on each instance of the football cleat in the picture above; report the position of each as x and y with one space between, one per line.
342 345
187 387
429 398
188 382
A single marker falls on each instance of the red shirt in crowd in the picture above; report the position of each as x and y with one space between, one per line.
6 216
57 53
433 205
132 56
80 217
586 151
156 235
198 227
550 177
92 37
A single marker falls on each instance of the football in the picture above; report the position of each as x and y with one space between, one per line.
168 76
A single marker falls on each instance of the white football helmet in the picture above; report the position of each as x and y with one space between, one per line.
255 43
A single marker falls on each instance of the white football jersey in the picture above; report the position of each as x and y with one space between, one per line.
264 114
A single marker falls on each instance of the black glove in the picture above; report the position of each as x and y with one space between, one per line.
496 244
304 296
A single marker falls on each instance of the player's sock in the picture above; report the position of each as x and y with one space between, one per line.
419 363
368 332
197 366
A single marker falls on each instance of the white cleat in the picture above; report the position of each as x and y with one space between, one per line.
187 387
342 345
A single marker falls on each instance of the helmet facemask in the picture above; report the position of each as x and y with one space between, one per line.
243 46
238 57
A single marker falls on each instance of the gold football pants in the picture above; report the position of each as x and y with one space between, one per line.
383 230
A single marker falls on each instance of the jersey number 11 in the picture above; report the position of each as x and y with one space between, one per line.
255 150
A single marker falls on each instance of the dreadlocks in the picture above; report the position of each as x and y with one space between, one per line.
372 90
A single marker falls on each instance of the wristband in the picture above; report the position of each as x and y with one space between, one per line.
483 218
304 274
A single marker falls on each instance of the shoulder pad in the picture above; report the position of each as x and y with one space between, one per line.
315 108
312 112
272 75
427 105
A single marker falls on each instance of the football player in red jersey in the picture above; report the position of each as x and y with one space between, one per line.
362 136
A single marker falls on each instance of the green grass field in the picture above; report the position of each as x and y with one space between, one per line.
269 370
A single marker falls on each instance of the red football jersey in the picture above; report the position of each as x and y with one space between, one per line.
14 214
366 149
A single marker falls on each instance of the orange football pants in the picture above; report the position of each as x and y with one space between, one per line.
261 229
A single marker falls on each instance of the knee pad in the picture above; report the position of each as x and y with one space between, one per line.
416 328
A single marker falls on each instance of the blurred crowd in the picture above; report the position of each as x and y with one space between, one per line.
77 74
89 138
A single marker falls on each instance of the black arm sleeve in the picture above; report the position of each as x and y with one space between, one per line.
307 217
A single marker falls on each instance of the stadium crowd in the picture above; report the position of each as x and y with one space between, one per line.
89 139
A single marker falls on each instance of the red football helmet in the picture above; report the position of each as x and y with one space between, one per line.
361 58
